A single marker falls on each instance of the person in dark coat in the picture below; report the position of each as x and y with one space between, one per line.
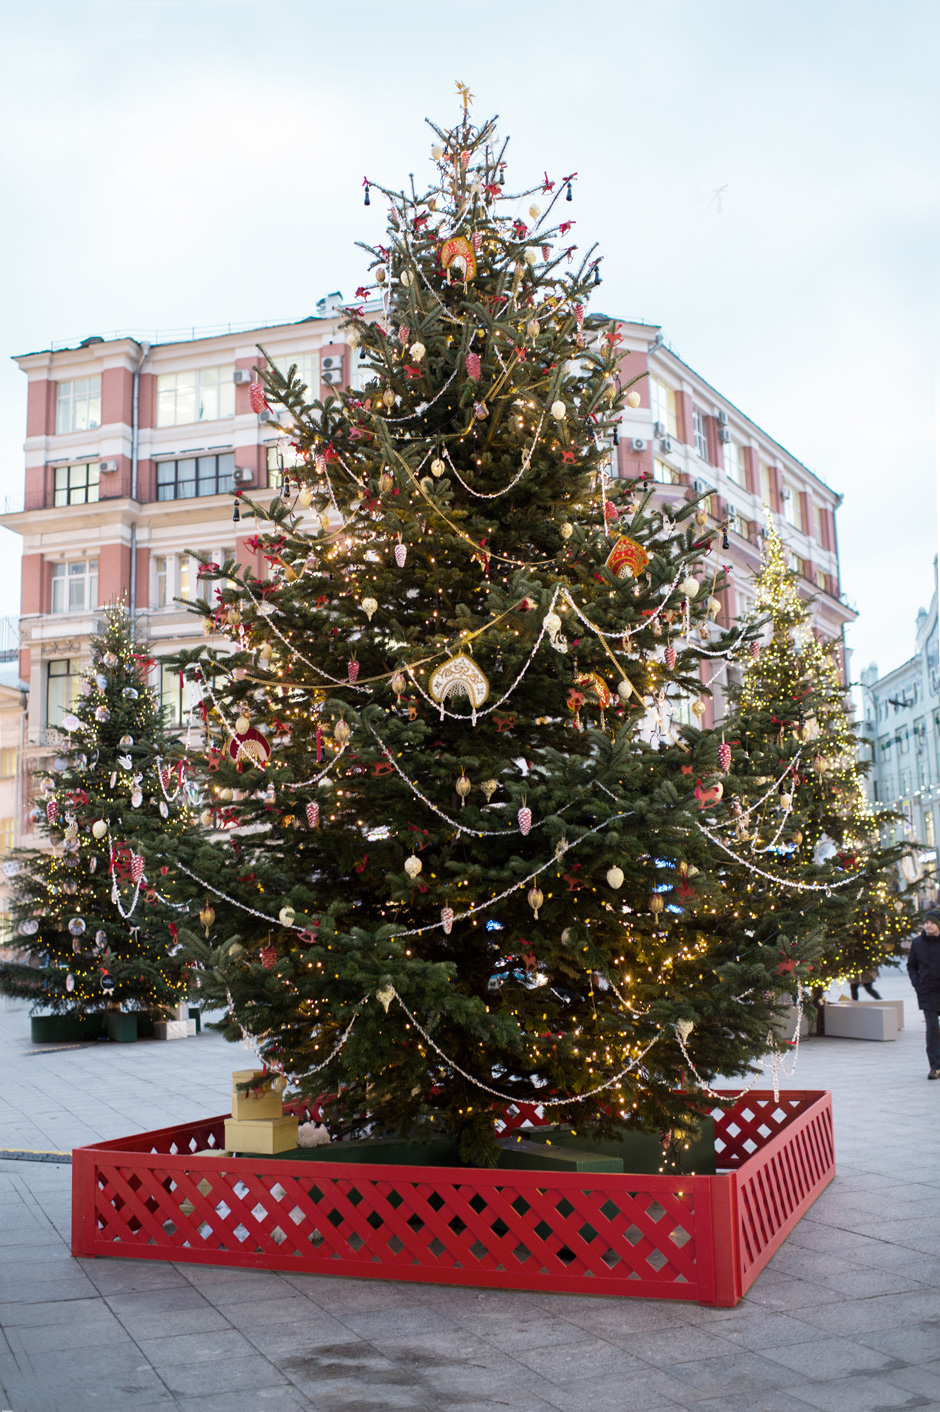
923 967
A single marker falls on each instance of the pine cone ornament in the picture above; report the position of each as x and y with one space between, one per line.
724 756
473 366
525 819
256 398
755 650
447 919
352 667
313 815
268 957
670 658
401 554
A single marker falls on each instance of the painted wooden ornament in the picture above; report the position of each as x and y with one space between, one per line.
459 676
627 559
525 819
598 685
457 253
447 919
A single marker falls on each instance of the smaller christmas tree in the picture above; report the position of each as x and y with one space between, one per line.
91 924
804 828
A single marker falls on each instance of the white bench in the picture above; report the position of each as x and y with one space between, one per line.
898 1005
854 1020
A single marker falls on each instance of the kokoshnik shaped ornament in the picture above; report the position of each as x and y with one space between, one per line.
459 676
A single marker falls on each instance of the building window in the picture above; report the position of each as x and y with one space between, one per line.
161 585
923 775
791 507
203 395
698 430
281 457
930 834
664 473
905 781
78 405
196 587
733 457
307 369
8 759
76 485
663 407
177 696
904 742
740 525
7 836
767 485
63 676
75 586
820 520
195 475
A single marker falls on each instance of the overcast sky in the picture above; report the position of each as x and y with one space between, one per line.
170 164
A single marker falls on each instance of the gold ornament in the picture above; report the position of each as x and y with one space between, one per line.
624 690
701 518
369 606
385 996
797 837
458 676
633 399
489 788
535 899
99 828
417 351
566 530
463 788
207 916
341 731
714 607
286 916
306 497
380 275
385 483
242 724
689 586
437 153
683 1029
399 684
405 278
533 328
437 467
535 212
531 255
413 866
388 397
698 709
656 904
615 877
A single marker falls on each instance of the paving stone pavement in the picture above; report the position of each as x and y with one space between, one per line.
846 1318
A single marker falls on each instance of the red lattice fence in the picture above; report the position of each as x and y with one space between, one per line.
695 1238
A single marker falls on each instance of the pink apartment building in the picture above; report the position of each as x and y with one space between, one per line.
133 449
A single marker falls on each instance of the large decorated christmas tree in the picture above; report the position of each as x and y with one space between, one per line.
468 823
94 922
801 822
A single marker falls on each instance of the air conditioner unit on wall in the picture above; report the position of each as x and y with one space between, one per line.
659 429
722 418
243 475
786 493
242 375
665 445
107 466
724 434
638 443
331 369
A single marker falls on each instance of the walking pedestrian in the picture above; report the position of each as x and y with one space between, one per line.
868 981
923 967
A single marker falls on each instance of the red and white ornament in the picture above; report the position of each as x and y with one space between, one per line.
755 650
476 240
401 554
670 658
52 810
524 817
447 919
137 867
579 316
256 398
313 815
352 667
473 366
724 756
268 957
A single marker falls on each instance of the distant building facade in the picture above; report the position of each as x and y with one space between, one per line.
133 449
901 723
